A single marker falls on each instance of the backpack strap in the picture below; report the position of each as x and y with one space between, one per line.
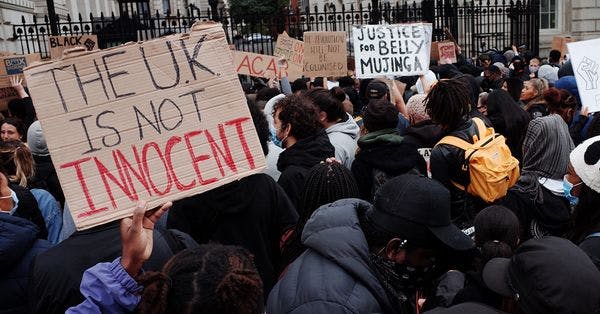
455 141
595 234
481 128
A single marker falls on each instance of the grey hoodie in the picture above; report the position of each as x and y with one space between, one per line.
344 136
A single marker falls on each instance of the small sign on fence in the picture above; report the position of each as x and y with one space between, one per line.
325 54
58 44
391 50
155 121
585 57
446 52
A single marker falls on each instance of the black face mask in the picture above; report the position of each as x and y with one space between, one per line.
401 278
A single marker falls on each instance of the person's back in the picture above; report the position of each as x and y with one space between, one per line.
56 273
253 213
334 274
44 176
18 246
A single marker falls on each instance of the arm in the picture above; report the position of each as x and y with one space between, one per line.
284 82
108 288
396 96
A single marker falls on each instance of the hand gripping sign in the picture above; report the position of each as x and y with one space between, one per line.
157 120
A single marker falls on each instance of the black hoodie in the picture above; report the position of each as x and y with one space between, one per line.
295 162
253 213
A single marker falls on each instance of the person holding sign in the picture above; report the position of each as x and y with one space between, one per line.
210 278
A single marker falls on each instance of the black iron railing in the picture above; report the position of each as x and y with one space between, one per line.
477 25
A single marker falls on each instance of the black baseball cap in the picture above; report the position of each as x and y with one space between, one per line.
412 201
377 89
547 275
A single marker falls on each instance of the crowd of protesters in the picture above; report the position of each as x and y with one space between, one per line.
369 204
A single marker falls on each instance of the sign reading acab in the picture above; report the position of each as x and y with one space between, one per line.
58 44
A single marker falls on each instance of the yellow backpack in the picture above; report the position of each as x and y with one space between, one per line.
492 168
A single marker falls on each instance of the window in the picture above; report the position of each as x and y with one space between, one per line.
548 14
167 6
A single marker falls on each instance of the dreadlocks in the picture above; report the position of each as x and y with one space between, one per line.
325 183
211 278
448 103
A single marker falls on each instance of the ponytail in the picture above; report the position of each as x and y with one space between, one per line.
24 164
495 248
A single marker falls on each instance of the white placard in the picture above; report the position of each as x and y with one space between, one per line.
585 57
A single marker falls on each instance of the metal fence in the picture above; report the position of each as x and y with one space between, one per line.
477 25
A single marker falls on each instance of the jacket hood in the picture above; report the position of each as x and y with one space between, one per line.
348 127
17 236
334 232
381 137
425 133
306 152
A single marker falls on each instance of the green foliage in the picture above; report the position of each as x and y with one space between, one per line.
255 10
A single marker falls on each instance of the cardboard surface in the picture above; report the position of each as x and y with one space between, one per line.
391 50
585 57
325 54
58 44
11 64
293 51
560 43
446 52
156 121
253 64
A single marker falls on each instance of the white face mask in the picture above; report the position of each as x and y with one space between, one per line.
533 68
12 195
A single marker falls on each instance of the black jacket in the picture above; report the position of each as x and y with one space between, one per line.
18 246
424 134
295 162
383 155
28 209
46 178
551 217
253 213
57 273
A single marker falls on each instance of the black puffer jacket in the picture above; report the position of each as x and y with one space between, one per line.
424 134
18 246
295 162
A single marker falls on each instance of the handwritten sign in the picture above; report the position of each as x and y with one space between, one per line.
291 50
585 57
156 121
58 44
391 50
11 64
325 54
253 64
446 52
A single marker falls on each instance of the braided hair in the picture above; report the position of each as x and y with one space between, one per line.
326 182
448 103
211 278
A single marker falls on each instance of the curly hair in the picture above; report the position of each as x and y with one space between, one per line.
211 278
301 114
448 103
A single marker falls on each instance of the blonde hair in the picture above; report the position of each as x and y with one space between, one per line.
17 154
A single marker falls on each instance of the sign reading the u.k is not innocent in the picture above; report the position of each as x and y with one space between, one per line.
391 50
155 121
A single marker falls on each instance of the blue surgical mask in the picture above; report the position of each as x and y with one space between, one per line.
567 187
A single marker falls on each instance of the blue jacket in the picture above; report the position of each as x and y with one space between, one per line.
18 246
51 212
108 288
333 275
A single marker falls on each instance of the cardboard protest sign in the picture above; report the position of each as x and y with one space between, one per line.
446 52
293 51
58 44
585 57
254 64
391 50
560 43
11 64
325 54
156 121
